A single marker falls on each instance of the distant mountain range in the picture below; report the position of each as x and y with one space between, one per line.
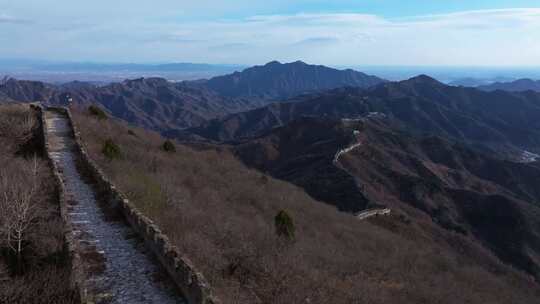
35 65
469 82
519 85
251 102
61 72
420 105
161 105
132 67
503 84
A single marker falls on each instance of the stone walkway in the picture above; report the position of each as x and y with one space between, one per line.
116 263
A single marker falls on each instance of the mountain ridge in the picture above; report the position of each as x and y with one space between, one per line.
168 106
420 105
278 81
520 85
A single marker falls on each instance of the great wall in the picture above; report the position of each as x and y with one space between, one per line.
117 254
103 229
365 214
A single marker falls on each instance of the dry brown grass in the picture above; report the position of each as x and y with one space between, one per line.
31 230
221 215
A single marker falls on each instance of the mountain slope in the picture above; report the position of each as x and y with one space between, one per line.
430 179
302 153
156 103
492 200
24 90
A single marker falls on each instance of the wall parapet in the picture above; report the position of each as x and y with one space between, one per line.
77 277
191 282
372 212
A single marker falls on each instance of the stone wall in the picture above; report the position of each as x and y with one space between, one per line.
71 245
191 283
372 212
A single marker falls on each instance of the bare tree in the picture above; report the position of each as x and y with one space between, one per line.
19 185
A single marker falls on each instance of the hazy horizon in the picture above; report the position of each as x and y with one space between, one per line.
65 71
40 61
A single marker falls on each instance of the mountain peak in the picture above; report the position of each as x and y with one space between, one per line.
425 79
273 63
298 62
295 63
277 80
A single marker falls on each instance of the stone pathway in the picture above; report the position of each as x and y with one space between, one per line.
116 263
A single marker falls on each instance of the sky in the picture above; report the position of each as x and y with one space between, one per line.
331 32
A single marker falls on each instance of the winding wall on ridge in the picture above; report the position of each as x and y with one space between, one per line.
365 214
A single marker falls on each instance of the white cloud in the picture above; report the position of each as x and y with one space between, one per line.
317 41
488 37
10 19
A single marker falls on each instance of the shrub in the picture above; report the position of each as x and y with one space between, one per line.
168 146
97 112
111 150
284 225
